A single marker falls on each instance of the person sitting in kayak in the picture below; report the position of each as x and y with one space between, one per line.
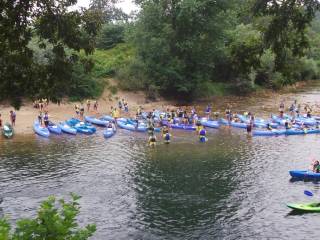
315 166
269 127
287 125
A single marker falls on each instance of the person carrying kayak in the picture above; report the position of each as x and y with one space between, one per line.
202 135
166 134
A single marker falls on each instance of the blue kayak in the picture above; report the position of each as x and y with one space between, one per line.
258 122
53 128
81 127
232 123
274 132
209 123
299 131
281 121
109 132
97 121
304 175
107 118
131 125
188 127
67 129
306 121
41 131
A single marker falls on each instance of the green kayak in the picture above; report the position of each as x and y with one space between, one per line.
7 130
306 207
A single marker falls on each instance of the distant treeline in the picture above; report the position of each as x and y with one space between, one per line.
179 48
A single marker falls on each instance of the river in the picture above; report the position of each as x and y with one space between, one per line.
232 187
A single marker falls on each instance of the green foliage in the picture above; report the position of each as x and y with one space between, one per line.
287 29
178 43
54 220
53 26
107 63
110 35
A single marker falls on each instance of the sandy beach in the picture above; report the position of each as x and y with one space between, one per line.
269 104
27 114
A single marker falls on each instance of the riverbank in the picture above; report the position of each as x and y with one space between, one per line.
266 102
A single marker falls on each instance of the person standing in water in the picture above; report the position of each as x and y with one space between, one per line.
202 134
152 140
166 134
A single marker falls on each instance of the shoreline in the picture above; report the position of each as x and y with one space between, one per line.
269 102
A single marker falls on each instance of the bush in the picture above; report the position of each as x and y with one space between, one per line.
278 80
108 62
209 89
84 85
132 76
54 220
309 69
110 35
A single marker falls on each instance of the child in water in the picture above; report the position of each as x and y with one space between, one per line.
202 135
152 140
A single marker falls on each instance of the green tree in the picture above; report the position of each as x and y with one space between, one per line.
179 43
55 26
289 20
51 222
110 35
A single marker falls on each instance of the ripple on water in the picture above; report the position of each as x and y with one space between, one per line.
232 187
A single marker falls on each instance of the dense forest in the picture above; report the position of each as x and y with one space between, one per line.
176 48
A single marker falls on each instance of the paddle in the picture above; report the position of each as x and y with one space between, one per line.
308 193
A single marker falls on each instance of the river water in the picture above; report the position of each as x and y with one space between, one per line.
232 187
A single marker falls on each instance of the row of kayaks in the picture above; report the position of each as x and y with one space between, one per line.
71 126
